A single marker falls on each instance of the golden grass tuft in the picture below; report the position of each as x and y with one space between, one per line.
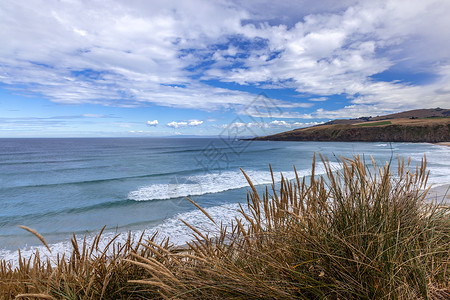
358 232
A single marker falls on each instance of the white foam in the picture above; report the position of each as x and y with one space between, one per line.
212 183
64 247
439 175
173 227
438 163
179 233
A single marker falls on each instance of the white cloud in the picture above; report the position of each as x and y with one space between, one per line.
174 124
384 97
236 125
301 124
337 53
195 123
272 124
153 123
114 53
133 53
278 123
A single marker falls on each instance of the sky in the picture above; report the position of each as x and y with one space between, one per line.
137 68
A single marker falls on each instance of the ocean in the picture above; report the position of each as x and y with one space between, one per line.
78 185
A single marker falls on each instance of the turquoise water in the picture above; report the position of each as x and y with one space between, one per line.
61 186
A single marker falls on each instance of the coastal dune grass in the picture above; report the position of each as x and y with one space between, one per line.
358 232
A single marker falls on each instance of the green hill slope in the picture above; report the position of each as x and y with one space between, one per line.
424 125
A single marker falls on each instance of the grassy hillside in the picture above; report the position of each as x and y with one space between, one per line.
410 114
391 128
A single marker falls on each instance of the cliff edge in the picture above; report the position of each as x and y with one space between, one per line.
422 125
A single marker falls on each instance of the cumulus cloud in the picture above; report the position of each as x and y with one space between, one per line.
280 123
174 124
153 123
195 123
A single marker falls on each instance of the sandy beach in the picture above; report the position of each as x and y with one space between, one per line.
440 193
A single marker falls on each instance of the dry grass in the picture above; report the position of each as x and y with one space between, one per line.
359 232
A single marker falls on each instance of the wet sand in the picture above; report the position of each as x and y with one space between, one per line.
443 143
441 192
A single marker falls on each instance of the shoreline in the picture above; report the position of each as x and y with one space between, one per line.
440 193
443 144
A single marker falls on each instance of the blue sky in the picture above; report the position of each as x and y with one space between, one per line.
75 68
